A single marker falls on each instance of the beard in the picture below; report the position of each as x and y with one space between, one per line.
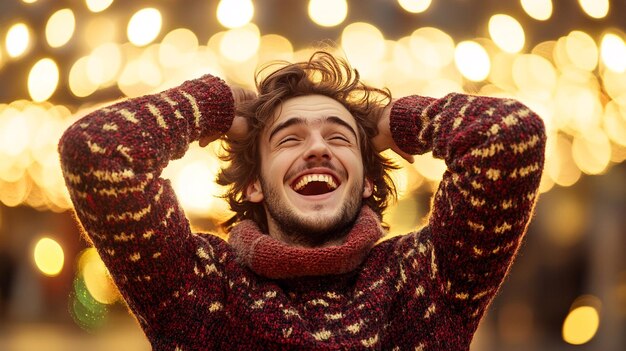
314 230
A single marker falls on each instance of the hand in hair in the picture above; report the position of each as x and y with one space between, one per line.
383 140
239 127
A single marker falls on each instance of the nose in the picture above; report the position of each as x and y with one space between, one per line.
317 149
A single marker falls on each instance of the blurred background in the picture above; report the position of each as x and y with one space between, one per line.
565 59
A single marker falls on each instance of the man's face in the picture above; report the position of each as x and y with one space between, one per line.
312 181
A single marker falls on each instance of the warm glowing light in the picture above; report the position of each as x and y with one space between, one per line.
363 43
14 134
49 257
241 43
580 325
97 278
275 47
29 1
507 33
615 122
595 8
582 50
60 28
17 40
540 10
592 151
234 13
140 76
613 52
80 84
533 73
328 13
415 6
432 47
43 80
472 60
428 166
195 193
98 5
178 47
144 26
99 30
104 64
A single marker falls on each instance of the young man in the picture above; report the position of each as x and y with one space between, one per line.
302 268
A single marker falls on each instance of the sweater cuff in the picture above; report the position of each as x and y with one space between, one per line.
406 122
215 104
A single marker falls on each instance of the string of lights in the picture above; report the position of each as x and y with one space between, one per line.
83 55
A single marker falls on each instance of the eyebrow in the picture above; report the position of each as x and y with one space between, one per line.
298 120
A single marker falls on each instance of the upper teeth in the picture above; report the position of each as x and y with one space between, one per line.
315 178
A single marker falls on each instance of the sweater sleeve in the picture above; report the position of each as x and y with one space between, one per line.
494 152
112 161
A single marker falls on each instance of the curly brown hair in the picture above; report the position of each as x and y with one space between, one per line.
322 74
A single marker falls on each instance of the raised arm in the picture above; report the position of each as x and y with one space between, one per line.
494 152
112 161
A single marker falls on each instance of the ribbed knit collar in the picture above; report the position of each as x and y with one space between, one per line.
274 259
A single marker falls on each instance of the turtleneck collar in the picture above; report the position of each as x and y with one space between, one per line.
271 258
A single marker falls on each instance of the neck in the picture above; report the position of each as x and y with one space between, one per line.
300 240
334 235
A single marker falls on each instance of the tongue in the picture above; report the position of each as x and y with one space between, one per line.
315 188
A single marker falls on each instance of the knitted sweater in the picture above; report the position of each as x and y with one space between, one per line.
426 290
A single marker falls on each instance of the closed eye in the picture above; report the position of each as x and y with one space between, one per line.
339 138
286 140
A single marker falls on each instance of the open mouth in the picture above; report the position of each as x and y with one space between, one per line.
314 184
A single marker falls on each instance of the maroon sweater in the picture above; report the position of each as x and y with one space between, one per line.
426 290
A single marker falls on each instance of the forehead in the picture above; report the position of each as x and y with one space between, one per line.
311 108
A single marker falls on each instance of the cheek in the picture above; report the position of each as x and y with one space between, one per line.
351 161
278 165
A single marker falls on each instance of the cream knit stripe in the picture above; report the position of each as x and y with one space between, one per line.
194 105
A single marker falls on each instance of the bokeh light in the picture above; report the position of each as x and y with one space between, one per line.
575 80
60 28
97 278
79 83
234 13
49 256
241 43
144 26
613 52
364 45
275 47
582 50
595 8
328 13
17 40
43 79
104 64
178 47
432 47
98 5
540 10
580 325
472 60
507 33
98 31
86 311
415 6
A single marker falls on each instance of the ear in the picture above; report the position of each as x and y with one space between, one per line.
368 188
254 192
